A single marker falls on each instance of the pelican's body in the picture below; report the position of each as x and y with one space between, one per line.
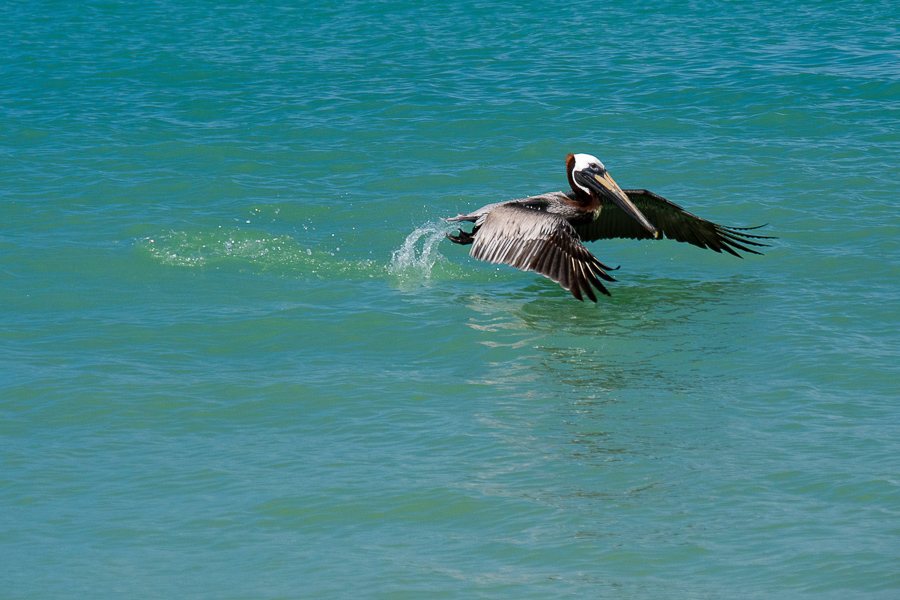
545 233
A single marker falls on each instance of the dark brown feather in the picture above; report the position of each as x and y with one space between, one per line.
534 240
672 221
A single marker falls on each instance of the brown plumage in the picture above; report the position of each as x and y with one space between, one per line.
545 233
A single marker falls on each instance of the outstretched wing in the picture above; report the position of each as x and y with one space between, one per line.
672 221
534 240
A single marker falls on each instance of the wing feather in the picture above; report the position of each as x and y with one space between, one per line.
672 221
535 240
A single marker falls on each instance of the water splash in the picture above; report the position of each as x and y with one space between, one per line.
418 255
413 263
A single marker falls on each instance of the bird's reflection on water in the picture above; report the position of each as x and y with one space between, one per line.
647 308
615 395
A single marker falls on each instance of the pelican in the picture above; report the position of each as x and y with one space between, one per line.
545 233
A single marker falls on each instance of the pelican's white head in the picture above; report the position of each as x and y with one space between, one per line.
589 178
584 162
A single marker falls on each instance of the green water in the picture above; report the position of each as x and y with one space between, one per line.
239 360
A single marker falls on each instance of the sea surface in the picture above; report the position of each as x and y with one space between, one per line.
238 359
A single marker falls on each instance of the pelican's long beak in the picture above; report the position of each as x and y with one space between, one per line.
601 183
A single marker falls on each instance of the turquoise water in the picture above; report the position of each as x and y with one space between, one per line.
238 360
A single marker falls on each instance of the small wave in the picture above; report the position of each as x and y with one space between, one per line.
414 262
256 250
192 249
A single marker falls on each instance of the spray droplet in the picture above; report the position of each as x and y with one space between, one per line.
409 260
